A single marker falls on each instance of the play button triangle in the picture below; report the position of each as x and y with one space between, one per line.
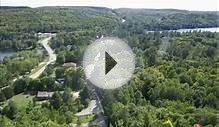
109 62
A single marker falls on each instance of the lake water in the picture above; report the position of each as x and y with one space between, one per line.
3 54
213 29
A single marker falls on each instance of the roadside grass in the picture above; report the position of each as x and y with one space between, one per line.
54 72
85 119
21 100
38 68
75 120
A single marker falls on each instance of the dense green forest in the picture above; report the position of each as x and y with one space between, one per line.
168 19
175 83
51 19
172 86
18 64
21 24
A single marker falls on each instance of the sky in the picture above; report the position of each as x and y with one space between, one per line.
198 5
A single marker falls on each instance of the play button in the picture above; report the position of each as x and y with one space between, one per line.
108 63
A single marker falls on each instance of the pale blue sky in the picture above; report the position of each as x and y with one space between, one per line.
201 5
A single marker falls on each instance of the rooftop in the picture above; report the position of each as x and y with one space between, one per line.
69 64
44 94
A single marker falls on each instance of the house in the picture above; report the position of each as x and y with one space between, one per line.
43 95
60 80
69 64
43 35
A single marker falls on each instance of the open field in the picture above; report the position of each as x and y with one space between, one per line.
21 100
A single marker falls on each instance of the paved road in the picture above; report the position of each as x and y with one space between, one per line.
52 58
94 107
89 110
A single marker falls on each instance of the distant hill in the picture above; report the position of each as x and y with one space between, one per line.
71 18
13 7
167 19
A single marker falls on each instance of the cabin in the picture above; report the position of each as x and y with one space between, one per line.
43 95
69 64
60 81
44 35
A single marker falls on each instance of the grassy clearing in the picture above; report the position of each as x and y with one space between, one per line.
86 119
38 68
83 119
21 100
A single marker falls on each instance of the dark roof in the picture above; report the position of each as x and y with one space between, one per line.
44 94
69 64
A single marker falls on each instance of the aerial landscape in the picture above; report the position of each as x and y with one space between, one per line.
42 82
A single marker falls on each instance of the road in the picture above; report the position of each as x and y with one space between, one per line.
52 58
89 110
98 110
94 107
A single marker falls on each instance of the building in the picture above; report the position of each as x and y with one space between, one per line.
43 95
60 80
69 64
44 35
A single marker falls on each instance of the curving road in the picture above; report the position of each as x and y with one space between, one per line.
52 57
94 107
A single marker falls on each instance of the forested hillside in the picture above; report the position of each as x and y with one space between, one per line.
22 23
175 83
172 86
168 19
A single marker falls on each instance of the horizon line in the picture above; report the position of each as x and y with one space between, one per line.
108 7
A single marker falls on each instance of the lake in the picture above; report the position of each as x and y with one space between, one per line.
5 53
213 29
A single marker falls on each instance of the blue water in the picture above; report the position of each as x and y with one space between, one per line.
213 29
3 54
